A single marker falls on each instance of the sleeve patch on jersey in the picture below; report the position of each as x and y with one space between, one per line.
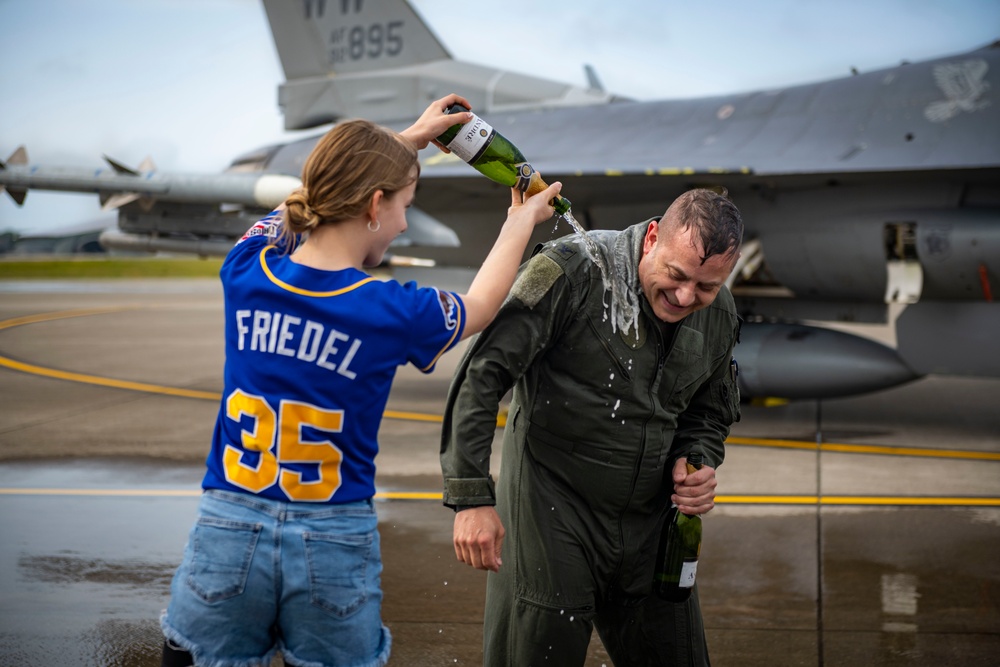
536 279
449 308
267 226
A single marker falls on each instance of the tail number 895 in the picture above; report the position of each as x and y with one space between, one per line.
360 42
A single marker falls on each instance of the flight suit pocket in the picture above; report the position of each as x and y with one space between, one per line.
726 394
690 366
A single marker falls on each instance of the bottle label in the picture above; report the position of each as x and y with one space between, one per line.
472 140
524 173
688 571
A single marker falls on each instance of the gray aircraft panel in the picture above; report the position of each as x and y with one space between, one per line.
857 124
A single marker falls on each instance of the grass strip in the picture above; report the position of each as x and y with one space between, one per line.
110 267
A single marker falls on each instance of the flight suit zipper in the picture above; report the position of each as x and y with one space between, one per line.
637 466
607 348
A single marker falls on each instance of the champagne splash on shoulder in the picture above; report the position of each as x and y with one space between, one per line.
591 248
617 274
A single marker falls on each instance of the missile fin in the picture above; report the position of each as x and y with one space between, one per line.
19 156
120 168
118 199
17 195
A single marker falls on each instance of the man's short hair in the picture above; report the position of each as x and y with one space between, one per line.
713 215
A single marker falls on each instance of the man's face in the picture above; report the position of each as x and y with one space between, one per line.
673 278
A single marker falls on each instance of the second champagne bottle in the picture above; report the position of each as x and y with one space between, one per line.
680 547
494 156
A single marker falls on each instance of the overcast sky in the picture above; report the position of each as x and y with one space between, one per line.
193 83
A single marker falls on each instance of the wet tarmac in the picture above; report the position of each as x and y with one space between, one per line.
864 533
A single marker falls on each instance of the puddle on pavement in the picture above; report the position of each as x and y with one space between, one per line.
72 569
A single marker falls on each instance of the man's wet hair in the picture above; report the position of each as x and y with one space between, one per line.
713 215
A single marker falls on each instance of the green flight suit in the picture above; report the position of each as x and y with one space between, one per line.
596 420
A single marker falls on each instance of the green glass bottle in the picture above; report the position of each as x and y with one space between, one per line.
680 546
490 153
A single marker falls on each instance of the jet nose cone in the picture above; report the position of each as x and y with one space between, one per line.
797 361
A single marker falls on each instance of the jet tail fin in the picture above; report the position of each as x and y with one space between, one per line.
381 61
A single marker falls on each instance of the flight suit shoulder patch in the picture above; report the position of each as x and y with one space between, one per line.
537 278
564 250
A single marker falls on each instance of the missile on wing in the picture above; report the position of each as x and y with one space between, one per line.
180 212
119 185
203 247
149 233
796 361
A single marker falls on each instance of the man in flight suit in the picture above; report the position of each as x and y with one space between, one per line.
604 412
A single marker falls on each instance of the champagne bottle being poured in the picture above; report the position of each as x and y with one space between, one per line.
493 155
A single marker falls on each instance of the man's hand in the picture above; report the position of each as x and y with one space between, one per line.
694 493
478 537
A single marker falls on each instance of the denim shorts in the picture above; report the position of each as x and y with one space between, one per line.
261 575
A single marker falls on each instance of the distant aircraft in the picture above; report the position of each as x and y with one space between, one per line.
860 194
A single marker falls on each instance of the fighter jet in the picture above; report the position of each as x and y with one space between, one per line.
862 196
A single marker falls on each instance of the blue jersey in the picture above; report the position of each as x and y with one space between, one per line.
310 359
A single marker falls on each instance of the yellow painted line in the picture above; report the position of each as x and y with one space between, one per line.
137 386
413 416
180 493
407 495
160 389
107 382
765 500
939 501
126 384
947 501
33 369
886 450
83 377
910 451
157 493
907 500
61 315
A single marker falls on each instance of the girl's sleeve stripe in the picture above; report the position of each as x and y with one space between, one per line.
456 334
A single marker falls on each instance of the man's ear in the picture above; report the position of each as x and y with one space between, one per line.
652 233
